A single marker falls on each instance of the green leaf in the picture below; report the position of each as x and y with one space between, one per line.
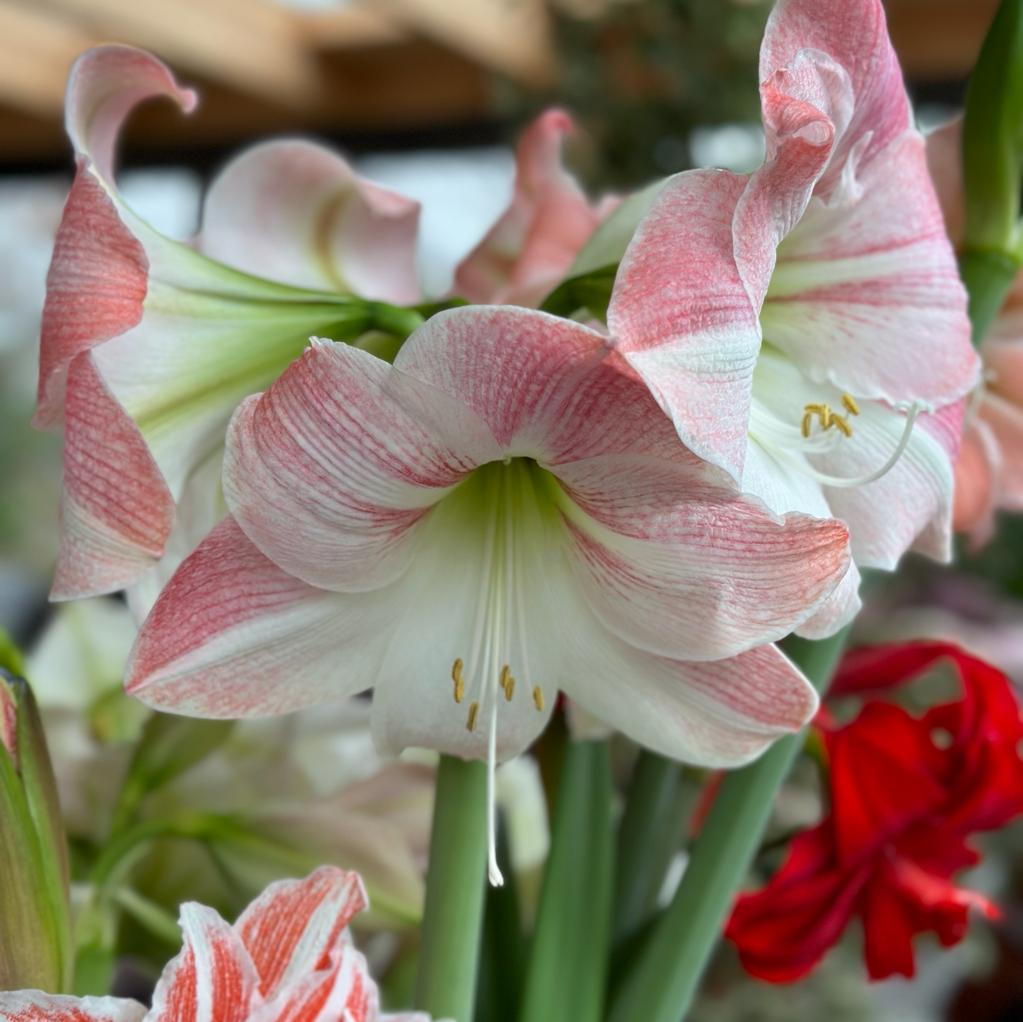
168 747
567 966
590 292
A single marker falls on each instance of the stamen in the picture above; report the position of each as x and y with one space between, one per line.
474 709
907 431
538 698
507 682
841 422
456 677
828 418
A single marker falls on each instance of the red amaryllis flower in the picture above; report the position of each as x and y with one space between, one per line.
906 793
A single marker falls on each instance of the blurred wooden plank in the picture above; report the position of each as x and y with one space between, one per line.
392 88
250 44
511 36
36 51
938 40
347 27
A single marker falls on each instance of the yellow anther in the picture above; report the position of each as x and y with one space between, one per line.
507 682
827 417
843 426
538 697
456 677
474 709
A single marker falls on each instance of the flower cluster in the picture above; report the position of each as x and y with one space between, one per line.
906 793
289 956
671 430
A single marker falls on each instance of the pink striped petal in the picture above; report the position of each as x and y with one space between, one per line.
678 566
853 34
35 1006
329 471
291 929
839 610
911 506
116 511
234 636
721 713
296 212
861 288
211 980
683 318
532 246
546 387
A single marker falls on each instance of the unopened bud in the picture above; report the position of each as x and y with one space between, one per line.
35 938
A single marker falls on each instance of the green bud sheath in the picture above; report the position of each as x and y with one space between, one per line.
993 133
35 936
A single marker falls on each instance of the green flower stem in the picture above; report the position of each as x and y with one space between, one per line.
453 914
988 275
668 968
567 967
649 835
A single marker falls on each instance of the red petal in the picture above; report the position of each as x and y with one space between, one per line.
783 930
882 778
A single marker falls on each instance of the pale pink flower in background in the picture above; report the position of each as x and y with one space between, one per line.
531 248
289 956
501 515
148 344
805 326
989 469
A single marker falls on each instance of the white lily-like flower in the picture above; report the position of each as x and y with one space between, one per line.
501 515
804 326
148 344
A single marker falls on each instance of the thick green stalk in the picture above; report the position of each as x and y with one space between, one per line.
661 985
649 835
567 965
987 275
453 914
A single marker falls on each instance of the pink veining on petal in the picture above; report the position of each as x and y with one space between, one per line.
531 247
116 510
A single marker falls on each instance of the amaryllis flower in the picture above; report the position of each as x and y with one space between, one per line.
148 344
501 515
288 957
797 323
532 246
906 794
989 469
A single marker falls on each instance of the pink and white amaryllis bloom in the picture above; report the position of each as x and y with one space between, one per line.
148 344
288 958
989 469
531 248
805 326
501 515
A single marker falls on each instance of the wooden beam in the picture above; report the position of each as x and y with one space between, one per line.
36 51
511 36
250 44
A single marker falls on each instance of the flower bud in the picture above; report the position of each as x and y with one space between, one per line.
35 942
